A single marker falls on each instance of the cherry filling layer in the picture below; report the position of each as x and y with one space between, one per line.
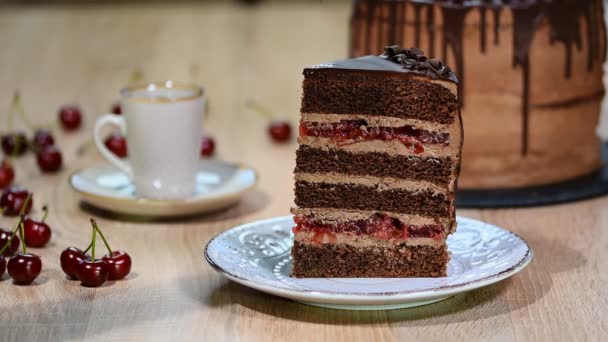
344 130
380 226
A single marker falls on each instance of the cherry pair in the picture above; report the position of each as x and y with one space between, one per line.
92 272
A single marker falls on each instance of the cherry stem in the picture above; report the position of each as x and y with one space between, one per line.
194 71
251 104
84 147
93 242
22 233
135 77
94 223
11 109
25 203
19 106
89 247
46 213
8 243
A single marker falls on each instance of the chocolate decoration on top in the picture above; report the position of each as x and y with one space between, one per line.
414 60
563 16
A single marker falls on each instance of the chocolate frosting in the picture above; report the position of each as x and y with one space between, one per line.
397 59
563 17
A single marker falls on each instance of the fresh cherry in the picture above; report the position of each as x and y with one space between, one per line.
42 139
7 174
280 131
24 268
37 233
14 144
92 273
116 109
70 117
49 159
5 237
70 259
13 199
118 264
117 144
2 266
207 146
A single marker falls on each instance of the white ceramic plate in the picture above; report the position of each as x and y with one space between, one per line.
219 185
257 255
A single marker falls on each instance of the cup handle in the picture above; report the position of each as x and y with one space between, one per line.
115 120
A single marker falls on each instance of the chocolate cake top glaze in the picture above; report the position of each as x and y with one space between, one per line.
395 59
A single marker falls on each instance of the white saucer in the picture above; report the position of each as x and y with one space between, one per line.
257 255
219 185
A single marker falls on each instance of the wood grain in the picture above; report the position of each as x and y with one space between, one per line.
64 53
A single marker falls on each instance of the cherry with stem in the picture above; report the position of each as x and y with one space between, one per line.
118 262
37 233
279 130
14 143
92 272
24 267
11 241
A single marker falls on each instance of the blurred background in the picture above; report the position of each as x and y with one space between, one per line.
83 52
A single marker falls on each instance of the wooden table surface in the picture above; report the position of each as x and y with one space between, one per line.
84 54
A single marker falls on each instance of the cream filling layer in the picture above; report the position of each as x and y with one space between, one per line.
363 240
378 121
333 216
391 147
379 183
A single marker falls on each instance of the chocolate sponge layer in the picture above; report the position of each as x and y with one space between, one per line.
341 260
355 196
437 170
339 92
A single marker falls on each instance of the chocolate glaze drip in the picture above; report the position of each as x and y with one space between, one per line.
496 13
482 29
417 8
453 27
525 19
563 17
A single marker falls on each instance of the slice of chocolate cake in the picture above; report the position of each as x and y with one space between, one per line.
376 169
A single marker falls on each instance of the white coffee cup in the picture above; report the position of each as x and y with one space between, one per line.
162 124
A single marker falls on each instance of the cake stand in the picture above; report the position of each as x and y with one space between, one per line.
576 189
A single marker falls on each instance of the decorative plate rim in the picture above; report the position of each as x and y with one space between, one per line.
445 290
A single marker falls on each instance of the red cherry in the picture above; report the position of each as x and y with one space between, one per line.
5 237
118 264
69 260
92 273
42 139
7 174
116 109
49 159
2 266
117 144
14 144
280 131
24 268
12 200
70 117
207 146
37 234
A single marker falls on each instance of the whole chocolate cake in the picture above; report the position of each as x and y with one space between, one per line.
376 169
530 79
